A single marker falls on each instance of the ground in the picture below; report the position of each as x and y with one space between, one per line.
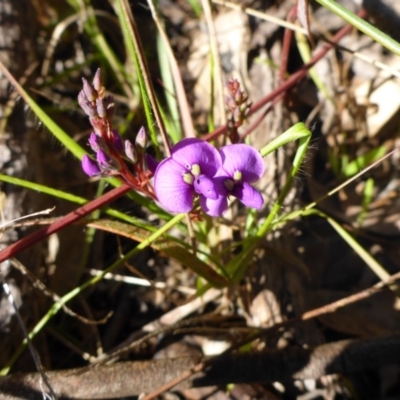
310 315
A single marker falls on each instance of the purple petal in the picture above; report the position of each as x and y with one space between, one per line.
196 151
214 208
152 163
172 192
205 186
249 196
95 142
117 141
103 158
243 158
90 166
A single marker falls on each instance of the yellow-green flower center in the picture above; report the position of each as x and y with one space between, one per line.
237 176
195 170
188 178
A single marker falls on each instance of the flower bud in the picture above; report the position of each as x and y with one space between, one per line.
101 108
90 166
89 90
86 105
233 85
141 140
106 162
240 97
97 81
103 158
95 142
130 151
247 110
230 102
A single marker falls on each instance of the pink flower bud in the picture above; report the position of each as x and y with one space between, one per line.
141 140
97 82
86 105
89 90
130 151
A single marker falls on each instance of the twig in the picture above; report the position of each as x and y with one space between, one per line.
329 308
287 40
68 219
37 283
261 15
132 378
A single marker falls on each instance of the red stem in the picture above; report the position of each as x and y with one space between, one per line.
287 39
68 219
293 79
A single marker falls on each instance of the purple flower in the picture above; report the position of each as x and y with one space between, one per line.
241 165
188 173
106 164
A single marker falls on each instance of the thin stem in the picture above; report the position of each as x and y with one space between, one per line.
292 80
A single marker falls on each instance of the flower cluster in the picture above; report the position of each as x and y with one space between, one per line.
111 151
239 106
197 169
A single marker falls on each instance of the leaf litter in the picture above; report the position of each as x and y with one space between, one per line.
302 265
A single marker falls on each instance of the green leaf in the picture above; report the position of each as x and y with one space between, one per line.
362 25
61 135
353 167
296 132
167 245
